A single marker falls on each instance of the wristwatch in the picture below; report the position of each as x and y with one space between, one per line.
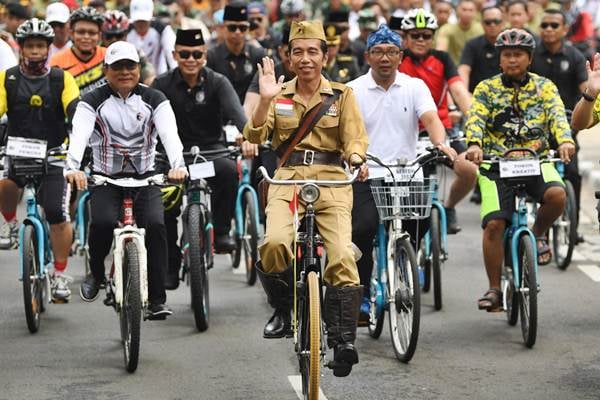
452 107
587 96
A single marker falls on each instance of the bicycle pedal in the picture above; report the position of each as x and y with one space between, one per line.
109 302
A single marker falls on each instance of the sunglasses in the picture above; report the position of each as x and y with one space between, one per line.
124 65
489 22
111 36
421 35
185 54
88 32
233 27
553 25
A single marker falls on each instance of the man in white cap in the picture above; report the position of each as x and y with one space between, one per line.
122 122
57 15
292 10
155 39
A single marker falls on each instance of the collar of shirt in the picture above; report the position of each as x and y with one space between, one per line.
371 84
290 89
179 81
224 50
136 90
544 50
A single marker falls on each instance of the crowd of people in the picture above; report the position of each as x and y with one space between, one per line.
125 76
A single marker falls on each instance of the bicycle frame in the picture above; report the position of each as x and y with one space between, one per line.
512 235
80 223
45 257
244 186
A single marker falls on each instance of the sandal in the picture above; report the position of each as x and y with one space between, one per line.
544 251
491 300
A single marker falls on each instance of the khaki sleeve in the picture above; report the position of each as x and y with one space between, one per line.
260 134
353 133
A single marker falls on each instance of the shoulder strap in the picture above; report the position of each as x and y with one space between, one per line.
306 125
57 83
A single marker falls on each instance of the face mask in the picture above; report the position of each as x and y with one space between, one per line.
37 67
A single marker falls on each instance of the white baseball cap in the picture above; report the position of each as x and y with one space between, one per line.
141 10
121 51
57 12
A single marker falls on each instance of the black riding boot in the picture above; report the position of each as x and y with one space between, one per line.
342 306
279 291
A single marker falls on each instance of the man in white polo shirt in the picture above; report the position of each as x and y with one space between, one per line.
57 15
391 104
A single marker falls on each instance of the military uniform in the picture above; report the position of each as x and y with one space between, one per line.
340 130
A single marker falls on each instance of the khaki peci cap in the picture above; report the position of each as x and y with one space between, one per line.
307 30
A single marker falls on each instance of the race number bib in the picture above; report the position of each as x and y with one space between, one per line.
517 168
202 170
23 147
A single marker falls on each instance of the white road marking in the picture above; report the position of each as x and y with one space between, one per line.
296 382
591 270
577 256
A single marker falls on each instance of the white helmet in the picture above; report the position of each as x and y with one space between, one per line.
34 27
418 18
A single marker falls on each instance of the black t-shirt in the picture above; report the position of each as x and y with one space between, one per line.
239 69
482 57
200 111
566 69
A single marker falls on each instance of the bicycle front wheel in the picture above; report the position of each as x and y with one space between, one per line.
250 237
197 266
405 300
314 307
436 257
564 232
528 291
130 313
32 284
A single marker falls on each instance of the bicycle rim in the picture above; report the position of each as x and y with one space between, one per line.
197 267
436 258
250 238
511 297
314 371
375 318
564 234
528 291
404 301
32 285
131 309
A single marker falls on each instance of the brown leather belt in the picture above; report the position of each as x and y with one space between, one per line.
309 157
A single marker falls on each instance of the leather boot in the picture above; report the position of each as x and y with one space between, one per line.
341 310
279 290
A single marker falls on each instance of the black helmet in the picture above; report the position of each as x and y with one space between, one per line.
515 38
34 27
86 14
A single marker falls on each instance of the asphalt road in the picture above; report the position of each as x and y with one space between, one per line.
462 353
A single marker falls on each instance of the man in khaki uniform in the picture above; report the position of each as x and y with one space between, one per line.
339 135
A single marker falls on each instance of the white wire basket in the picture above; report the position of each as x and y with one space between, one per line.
403 200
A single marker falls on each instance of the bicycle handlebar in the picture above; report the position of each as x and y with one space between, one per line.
431 154
97 180
289 182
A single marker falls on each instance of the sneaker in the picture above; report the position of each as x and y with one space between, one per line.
453 226
224 244
89 289
9 234
156 312
365 312
59 287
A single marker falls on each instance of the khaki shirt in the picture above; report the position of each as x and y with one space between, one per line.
340 129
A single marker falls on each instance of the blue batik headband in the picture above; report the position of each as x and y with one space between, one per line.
384 35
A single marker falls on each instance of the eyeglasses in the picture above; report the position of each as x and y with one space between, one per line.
379 53
185 54
233 27
553 25
123 65
420 35
489 22
111 36
84 32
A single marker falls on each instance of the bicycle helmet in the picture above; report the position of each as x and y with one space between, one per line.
515 38
34 27
171 196
418 18
115 22
86 14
